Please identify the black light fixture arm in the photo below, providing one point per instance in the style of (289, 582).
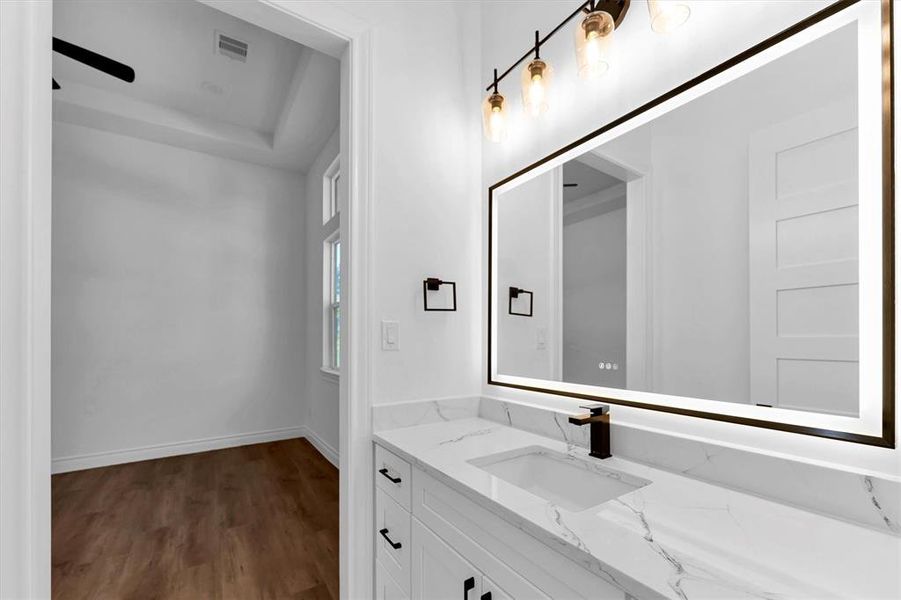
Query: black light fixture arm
(616, 8)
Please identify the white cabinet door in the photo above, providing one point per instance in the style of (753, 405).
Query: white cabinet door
(491, 591)
(385, 586)
(439, 573)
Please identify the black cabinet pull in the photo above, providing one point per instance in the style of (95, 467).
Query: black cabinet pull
(468, 584)
(485, 596)
(395, 545)
(390, 478)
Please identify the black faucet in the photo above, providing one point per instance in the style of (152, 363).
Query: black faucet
(599, 418)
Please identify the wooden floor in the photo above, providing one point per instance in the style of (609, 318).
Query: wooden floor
(257, 521)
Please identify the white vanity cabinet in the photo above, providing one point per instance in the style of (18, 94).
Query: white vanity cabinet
(440, 573)
(491, 591)
(385, 586)
(392, 526)
(433, 543)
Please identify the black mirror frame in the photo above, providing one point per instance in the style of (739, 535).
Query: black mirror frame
(887, 438)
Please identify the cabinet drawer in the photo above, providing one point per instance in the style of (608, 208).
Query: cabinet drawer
(392, 474)
(392, 534)
(385, 586)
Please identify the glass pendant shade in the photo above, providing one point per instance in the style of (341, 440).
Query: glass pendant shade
(494, 117)
(536, 81)
(667, 15)
(593, 36)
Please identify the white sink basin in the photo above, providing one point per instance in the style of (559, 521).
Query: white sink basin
(572, 483)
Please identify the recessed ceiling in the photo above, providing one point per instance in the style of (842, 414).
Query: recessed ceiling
(277, 108)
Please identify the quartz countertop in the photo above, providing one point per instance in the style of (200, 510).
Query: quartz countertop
(676, 538)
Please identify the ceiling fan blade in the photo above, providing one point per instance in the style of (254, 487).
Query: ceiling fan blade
(92, 59)
(570, 185)
(55, 85)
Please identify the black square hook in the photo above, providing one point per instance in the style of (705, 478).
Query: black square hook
(433, 284)
(515, 293)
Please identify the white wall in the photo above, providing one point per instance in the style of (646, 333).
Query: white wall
(645, 66)
(698, 184)
(525, 260)
(321, 412)
(425, 194)
(572, 280)
(594, 295)
(700, 290)
(177, 295)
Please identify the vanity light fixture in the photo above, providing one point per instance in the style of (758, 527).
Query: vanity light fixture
(667, 15)
(494, 114)
(597, 20)
(536, 81)
(594, 35)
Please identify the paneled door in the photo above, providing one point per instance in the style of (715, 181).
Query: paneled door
(803, 262)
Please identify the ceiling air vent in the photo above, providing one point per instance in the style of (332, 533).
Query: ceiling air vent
(230, 47)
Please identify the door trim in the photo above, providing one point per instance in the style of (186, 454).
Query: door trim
(25, 161)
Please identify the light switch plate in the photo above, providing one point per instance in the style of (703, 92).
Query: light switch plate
(390, 335)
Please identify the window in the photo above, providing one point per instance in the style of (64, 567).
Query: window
(330, 192)
(333, 195)
(331, 269)
(333, 303)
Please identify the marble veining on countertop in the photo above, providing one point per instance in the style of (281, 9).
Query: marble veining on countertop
(676, 538)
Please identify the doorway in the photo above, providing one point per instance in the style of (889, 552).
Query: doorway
(326, 28)
(183, 187)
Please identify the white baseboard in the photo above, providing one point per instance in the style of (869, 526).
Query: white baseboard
(325, 449)
(117, 457)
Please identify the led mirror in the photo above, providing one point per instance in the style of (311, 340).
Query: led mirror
(723, 252)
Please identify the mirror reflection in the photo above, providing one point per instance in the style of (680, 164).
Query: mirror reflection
(711, 252)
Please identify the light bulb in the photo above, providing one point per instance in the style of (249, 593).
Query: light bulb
(536, 90)
(535, 87)
(667, 15)
(494, 115)
(593, 36)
